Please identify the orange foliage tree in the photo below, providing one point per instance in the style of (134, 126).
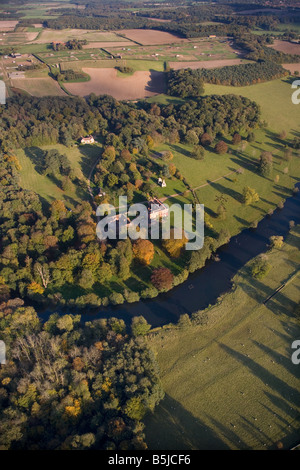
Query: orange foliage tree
(143, 251)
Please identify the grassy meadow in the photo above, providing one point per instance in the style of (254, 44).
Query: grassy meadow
(230, 383)
(82, 158)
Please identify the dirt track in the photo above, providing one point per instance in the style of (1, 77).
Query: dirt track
(106, 82)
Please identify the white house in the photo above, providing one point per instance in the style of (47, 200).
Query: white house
(157, 209)
(88, 140)
(162, 182)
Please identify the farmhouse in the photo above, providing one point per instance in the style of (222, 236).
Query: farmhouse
(157, 209)
(88, 140)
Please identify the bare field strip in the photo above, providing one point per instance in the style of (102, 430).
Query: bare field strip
(94, 45)
(286, 47)
(151, 37)
(38, 86)
(205, 64)
(106, 82)
(8, 25)
(48, 35)
(292, 67)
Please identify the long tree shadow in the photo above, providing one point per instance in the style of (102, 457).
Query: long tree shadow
(36, 155)
(278, 385)
(229, 191)
(90, 154)
(172, 427)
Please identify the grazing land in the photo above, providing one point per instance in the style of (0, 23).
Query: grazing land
(231, 384)
(274, 98)
(38, 86)
(81, 158)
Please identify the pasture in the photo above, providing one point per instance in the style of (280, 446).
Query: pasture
(81, 158)
(217, 174)
(275, 99)
(230, 383)
(192, 50)
(38, 86)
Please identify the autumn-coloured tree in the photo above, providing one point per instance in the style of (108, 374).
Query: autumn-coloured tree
(126, 155)
(221, 147)
(35, 288)
(174, 245)
(172, 169)
(206, 139)
(143, 251)
(167, 156)
(58, 210)
(162, 279)
(236, 139)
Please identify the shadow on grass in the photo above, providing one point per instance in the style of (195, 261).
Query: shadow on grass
(36, 155)
(172, 427)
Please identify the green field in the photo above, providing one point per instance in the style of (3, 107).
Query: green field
(275, 99)
(194, 50)
(230, 383)
(229, 183)
(137, 65)
(82, 158)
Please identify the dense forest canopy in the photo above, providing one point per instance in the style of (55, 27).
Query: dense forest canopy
(71, 386)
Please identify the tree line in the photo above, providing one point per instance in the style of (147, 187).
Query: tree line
(188, 82)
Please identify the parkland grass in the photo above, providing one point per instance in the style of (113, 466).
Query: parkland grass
(230, 383)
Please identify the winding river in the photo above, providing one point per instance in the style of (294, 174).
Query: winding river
(203, 287)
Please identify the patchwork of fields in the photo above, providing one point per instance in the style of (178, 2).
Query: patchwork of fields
(143, 51)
